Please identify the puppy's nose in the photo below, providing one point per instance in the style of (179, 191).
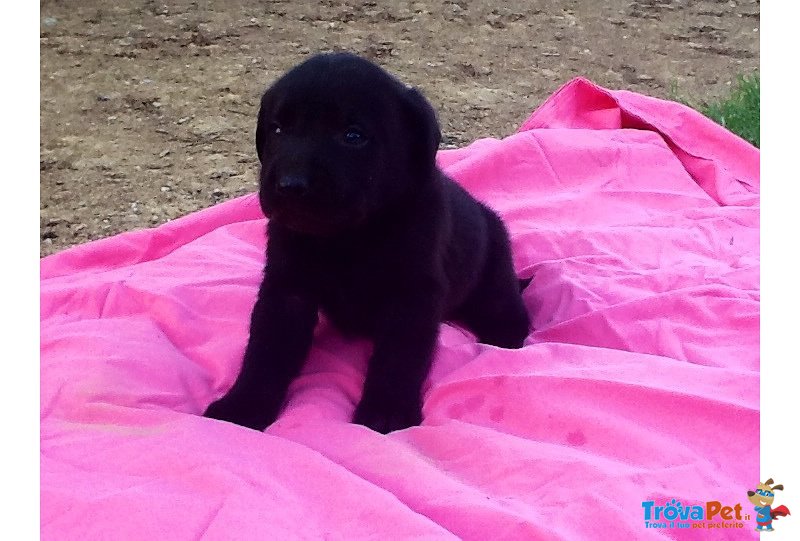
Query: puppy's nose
(292, 185)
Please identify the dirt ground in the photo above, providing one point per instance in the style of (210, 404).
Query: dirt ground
(148, 108)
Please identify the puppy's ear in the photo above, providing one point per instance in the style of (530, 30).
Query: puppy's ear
(261, 128)
(424, 129)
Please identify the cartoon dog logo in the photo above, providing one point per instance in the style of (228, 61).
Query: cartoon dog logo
(762, 497)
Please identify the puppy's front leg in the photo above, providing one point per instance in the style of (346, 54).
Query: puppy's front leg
(404, 347)
(281, 329)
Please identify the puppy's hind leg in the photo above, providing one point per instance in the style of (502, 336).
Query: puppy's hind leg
(497, 316)
(494, 311)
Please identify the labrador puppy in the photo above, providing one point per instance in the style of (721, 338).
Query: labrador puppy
(364, 227)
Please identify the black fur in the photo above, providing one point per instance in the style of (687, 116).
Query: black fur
(365, 227)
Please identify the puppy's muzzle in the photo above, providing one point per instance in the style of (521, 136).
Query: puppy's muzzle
(294, 186)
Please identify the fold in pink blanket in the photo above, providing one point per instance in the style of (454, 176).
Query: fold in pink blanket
(638, 220)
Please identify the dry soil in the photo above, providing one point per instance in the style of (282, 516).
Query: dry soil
(148, 108)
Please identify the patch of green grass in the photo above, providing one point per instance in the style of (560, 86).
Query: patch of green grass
(740, 112)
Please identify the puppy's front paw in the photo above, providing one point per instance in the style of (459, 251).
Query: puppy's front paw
(385, 417)
(243, 412)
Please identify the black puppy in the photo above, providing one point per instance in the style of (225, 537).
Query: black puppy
(364, 226)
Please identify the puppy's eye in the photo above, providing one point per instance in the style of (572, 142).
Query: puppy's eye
(354, 137)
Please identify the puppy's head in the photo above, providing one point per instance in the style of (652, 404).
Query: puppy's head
(340, 140)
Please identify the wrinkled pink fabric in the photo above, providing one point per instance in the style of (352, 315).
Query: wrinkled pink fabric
(639, 220)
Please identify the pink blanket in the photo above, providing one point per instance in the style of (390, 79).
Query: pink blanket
(639, 220)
